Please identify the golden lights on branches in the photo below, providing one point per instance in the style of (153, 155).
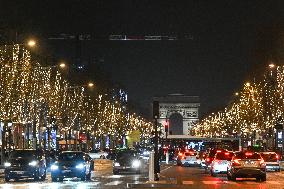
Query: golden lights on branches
(26, 85)
(256, 107)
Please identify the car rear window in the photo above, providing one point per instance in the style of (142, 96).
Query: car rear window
(224, 156)
(269, 157)
(190, 153)
(248, 155)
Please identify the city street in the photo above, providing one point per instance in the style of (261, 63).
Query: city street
(172, 176)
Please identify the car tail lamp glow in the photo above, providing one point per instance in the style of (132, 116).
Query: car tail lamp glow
(180, 154)
(227, 153)
(248, 154)
(219, 151)
(216, 161)
(277, 157)
(261, 161)
(207, 159)
(236, 162)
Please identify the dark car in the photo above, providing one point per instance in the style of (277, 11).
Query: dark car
(127, 160)
(246, 165)
(25, 164)
(72, 164)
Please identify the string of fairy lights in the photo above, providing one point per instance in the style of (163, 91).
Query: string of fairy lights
(256, 108)
(27, 88)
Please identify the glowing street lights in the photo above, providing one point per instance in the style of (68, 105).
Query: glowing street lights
(31, 43)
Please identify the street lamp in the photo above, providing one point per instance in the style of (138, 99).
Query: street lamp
(271, 65)
(31, 43)
(62, 65)
(90, 84)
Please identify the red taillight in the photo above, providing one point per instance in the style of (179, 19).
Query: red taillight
(236, 162)
(277, 157)
(227, 153)
(208, 159)
(219, 151)
(248, 154)
(217, 161)
(261, 161)
(180, 154)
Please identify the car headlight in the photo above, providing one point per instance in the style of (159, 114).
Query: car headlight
(54, 167)
(136, 163)
(33, 163)
(80, 166)
(116, 164)
(7, 164)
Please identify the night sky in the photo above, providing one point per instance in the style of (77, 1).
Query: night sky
(232, 42)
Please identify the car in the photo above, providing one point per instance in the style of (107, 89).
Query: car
(246, 164)
(188, 158)
(98, 154)
(220, 162)
(72, 164)
(127, 160)
(209, 158)
(271, 160)
(25, 163)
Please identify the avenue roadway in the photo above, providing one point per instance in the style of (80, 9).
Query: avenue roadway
(172, 176)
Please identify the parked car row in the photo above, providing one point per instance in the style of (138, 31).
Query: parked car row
(28, 163)
(241, 164)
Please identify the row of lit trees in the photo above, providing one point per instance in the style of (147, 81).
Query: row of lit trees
(256, 108)
(32, 93)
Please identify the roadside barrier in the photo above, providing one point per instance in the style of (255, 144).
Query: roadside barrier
(102, 164)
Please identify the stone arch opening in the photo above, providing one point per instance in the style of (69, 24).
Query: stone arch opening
(176, 124)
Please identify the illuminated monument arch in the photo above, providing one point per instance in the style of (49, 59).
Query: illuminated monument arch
(179, 111)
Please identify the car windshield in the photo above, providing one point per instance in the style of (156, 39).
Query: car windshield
(248, 155)
(269, 157)
(23, 154)
(71, 156)
(224, 156)
(95, 151)
(125, 154)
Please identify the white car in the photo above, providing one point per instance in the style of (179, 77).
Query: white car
(98, 154)
(220, 163)
(271, 160)
(190, 158)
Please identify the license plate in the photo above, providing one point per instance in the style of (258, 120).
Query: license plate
(66, 171)
(250, 164)
(19, 172)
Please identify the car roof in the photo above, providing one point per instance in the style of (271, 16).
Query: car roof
(268, 152)
(72, 152)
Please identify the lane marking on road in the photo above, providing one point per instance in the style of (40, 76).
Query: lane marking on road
(218, 182)
(211, 182)
(272, 182)
(113, 183)
(187, 182)
(166, 168)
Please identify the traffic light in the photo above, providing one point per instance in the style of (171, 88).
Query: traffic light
(166, 127)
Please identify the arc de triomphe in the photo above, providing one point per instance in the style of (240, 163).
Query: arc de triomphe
(179, 111)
